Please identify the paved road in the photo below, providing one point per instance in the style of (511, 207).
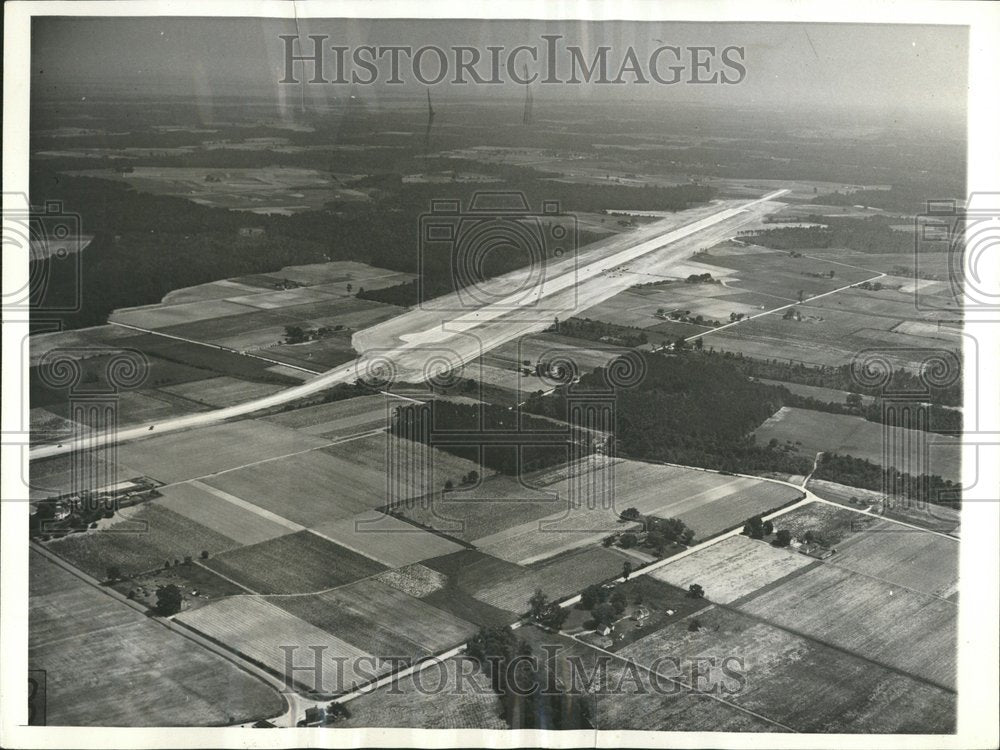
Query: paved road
(434, 339)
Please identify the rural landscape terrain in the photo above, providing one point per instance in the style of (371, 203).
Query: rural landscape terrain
(691, 463)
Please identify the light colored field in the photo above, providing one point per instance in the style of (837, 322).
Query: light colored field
(889, 624)
(926, 515)
(436, 699)
(222, 391)
(825, 395)
(916, 559)
(416, 580)
(212, 290)
(358, 612)
(215, 513)
(207, 450)
(156, 316)
(341, 273)
(855, 436)
(390, 541)
(591, 501)
(341, 418)
(282, 298)
(140, 539)
(258, 629)
(566, 575)
(97, 661)
(54, 476)
(732, 568)
(799, 682)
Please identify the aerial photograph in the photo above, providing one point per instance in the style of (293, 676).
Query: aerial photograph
(495, 375)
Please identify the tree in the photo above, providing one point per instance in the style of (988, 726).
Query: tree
(113, 573)
(783, 538)
(166, 564)
(538, 602)
(768, 528)
(699, 344)
(187, 559)
(553, 616)
(631, 514)
(604, 615)
(619, 601)
(809, 537)
(656, 541)
(695, 591)
(694, 626)
(680, 344)
(590, 597)
(350, 288)
(626, 569)
(449, 484)
(854, 400)
(336, 711)
(754, 528)
(628, 540)
(204, 554)
(168, 600)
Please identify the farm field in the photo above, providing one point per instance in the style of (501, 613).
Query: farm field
(107, 647)
(934, 517)
(190, 454)
(886, 623)
(335, 276)
(915, 559)
(799, 682)
(833, 525)
(221, 391)
(140, 539)
(542, 347)
(214, 512)
(559, 578)
(464, 574)
(732, 568)
(78, 344)
(351, 416)
(380, 620)
(386, 539)
(190, 578)
(258, 629)
(665, 707)
(827, 395)
(465, 702)
(856, 436)
(296, 563)
(54, 476)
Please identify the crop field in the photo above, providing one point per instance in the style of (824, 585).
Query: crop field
(161, 316)
(814, 431)
(351, 416)
(190, 454)
(199, 585)
(387, 539)
(222, 391)
(465, 573)
(317, 355)
(926, 515)
(211, 290)
(436, 699)
(568, 574)
(337, 274)
(587, 355)
(380, 620)
(81, 343)
(833, 524)
(652, 705)
(214, 512)
(416, 580)
(298, 563)
(54, 476)
(172, 358)
(258, 629)
(799, 682)
(139, 539)
(915, 559)
(108, 647)
(732, 568)
(891, 625)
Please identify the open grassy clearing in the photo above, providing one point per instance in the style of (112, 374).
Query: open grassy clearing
(190, 454)
(834, 525)
(222, 391)
(566, 575)
(799, 682)
(381, 620)
(258, 629)
(317, 355)
(926, 515)
(387, 539)
(732, 568)
(161, 316)
(298, 563)
(140, 539)
(198, 584)
(212, 290)
(107, 647)
(826, 395)
(437, 698)
(339, 272)
(54, 476)
(814, 431)
(78, 344)
(217, 514)
(351, 416)
(894, 626)
(625, 698)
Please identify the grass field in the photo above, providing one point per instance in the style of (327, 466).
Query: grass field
(732, 568)
(54, 476)
(416, 580)
(561, 577)
(436, 699)
(814, 431)
(97, 663)
(258, 629)
(222, 391)
(141, 539)
(894, 626)
(296, 563)
(466, 573)
(217, 514)
(812, 391)
(190, 454)
(834, 525)
(387, 539)
(380, 620)
(161, 316)
(799, 682)
(351, 416)
(926, 515)
(629, 699)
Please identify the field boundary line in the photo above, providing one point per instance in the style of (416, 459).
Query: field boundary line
(247, 506)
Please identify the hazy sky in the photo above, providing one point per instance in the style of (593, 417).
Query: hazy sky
(912, 67)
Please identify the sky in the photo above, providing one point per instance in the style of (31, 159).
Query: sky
(901, 66)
